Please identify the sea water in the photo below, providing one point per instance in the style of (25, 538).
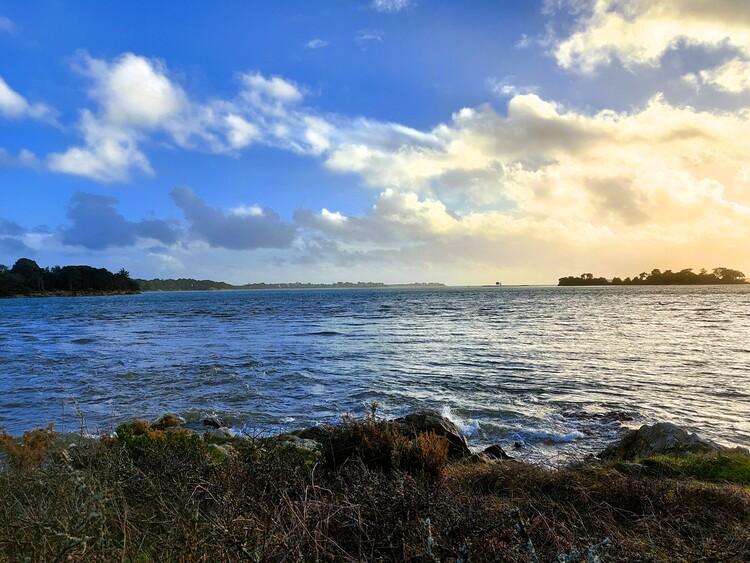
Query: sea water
(548, 372)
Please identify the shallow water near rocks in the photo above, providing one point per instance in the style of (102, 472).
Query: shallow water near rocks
(557, 371)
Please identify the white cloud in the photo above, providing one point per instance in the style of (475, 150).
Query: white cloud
(640, 32)
(247, 211)
(134, 91)
(392, 6)
(137, 102)
(241, 132)
(108, 155)
(365, 35)
(506, 87)
(14, 105)
(259, 89)
(733, 76)
(316, 44)
(7, 25)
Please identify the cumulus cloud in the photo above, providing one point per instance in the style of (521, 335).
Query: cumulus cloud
(395, 216)
(137, 102)
(133, 95)
(242, 229)
(14, 105)
(97, 225)
(640, 32)
(133, 91)
(108, 155)
(392, 6)
(545, 174)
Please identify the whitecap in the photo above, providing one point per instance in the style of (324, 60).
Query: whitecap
(466, 427)
(525, 436)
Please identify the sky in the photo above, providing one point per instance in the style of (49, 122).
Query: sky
(376, 140)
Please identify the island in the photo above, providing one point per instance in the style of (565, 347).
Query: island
(717, 276)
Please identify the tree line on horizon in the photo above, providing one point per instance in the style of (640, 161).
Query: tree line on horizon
(26, 277)
(687, 276)
(189, 284)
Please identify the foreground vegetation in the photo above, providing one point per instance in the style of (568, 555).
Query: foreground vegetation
(26, 277)
(717, 276)
(368, 493)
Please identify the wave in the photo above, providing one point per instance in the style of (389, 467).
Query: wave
(528, 436)
(467, 427)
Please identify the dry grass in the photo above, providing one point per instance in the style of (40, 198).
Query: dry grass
(155, 494)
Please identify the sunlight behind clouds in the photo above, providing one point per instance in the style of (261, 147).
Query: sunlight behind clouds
(640, 32)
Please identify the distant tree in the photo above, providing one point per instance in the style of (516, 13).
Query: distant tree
(31, 275)
(727, 275)
(617, 281)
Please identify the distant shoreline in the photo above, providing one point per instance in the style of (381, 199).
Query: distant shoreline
(189, 284)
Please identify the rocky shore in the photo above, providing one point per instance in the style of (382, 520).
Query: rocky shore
(408, 489)
(660, 439)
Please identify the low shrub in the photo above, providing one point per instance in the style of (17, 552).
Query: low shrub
(31, 449)
(383, 445)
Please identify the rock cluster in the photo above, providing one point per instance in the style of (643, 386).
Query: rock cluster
(663, 438)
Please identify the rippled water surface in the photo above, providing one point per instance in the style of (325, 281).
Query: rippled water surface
(557, 370)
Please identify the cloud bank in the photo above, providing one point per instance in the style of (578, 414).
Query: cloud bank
(240, 229)
(97, 225)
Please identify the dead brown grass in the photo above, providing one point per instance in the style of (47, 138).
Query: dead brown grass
(155, 494)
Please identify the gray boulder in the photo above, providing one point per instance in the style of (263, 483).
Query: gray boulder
(200, 428)
(663, 438)
(495, 452)
(300, 443)
(424, 422)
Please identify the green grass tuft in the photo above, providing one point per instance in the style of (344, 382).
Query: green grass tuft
(728, 467)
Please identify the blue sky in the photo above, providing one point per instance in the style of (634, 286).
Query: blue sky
(386, 140)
